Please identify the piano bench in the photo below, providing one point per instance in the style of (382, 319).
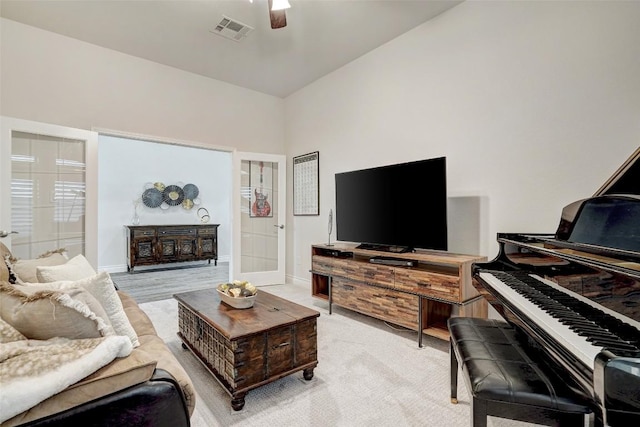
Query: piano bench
(503, 379)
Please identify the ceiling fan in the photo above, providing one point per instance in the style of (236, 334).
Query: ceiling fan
(277, 13)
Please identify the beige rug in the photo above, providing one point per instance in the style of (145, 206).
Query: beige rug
(369, 374)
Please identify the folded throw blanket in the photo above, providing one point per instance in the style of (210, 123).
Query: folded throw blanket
(34, 370)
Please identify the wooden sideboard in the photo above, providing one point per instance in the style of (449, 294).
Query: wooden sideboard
(160, 244)
(421, 293)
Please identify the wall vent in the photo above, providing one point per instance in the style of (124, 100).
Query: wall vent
(232, 29)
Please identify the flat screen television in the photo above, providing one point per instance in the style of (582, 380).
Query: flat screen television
(395, 208)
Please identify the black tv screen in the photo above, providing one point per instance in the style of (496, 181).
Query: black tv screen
(396, 208)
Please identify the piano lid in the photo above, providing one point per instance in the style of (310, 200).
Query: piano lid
(610, 220)
(626, 180)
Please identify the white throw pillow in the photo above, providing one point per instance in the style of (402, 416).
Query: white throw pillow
(101, 287)
(75, 269)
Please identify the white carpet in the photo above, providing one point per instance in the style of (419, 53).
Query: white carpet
(368, 374)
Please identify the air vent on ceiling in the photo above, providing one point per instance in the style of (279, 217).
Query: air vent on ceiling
(232, 29)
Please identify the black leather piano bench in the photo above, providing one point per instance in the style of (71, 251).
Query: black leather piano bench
(505, 381)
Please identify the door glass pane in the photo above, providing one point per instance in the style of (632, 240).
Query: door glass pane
(259, 210)
(47, 194)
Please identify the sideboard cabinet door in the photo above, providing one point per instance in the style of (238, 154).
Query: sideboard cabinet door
(208, 242)
(141, 243)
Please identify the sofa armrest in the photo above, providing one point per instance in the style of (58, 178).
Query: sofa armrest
(158, 402)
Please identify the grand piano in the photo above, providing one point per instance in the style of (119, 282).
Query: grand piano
(575, 295)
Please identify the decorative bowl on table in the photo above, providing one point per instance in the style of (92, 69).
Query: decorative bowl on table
(237, 294)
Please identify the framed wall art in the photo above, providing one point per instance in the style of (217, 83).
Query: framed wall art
(261, 185)
(306, 184)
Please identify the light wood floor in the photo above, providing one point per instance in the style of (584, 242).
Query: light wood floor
(155, 284)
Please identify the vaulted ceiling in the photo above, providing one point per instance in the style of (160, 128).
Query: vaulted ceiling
(320, 37)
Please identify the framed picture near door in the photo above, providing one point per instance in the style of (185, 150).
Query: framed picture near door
(261, 185)
(306, 184)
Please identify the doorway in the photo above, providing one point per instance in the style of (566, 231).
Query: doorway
(130, 166)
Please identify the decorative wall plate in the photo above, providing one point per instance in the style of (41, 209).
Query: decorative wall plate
(173, 195)
(191, 191)
(187, 204)
(152, 197)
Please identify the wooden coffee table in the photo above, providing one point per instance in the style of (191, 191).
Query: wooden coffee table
(247, 348)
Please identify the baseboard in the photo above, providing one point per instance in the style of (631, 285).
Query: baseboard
(297, 280)
(122, 268)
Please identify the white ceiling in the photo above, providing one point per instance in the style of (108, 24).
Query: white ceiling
(321, 35)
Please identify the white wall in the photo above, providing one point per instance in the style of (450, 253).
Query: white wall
(534, 104)
(148, 162)
(50, 78)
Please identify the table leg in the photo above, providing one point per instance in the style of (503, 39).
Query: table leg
(329, 286)
(420, 322)
(308, 374)
(237, 401)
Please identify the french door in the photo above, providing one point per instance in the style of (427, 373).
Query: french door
(48, 188)
(259, 232)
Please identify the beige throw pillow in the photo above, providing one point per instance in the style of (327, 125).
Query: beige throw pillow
(101, 287)
(25, 269)
(4, 268)
(38, 312)
(75, 269)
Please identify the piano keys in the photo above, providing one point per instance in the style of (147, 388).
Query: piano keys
(572, 320)
(575, 294)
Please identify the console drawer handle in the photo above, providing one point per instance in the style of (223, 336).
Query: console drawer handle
(284, 344)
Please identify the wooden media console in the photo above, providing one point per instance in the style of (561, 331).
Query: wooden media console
(418, 290)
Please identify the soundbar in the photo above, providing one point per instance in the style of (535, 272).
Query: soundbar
(384, 260)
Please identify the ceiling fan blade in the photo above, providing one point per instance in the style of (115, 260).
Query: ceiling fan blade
(278, 17)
